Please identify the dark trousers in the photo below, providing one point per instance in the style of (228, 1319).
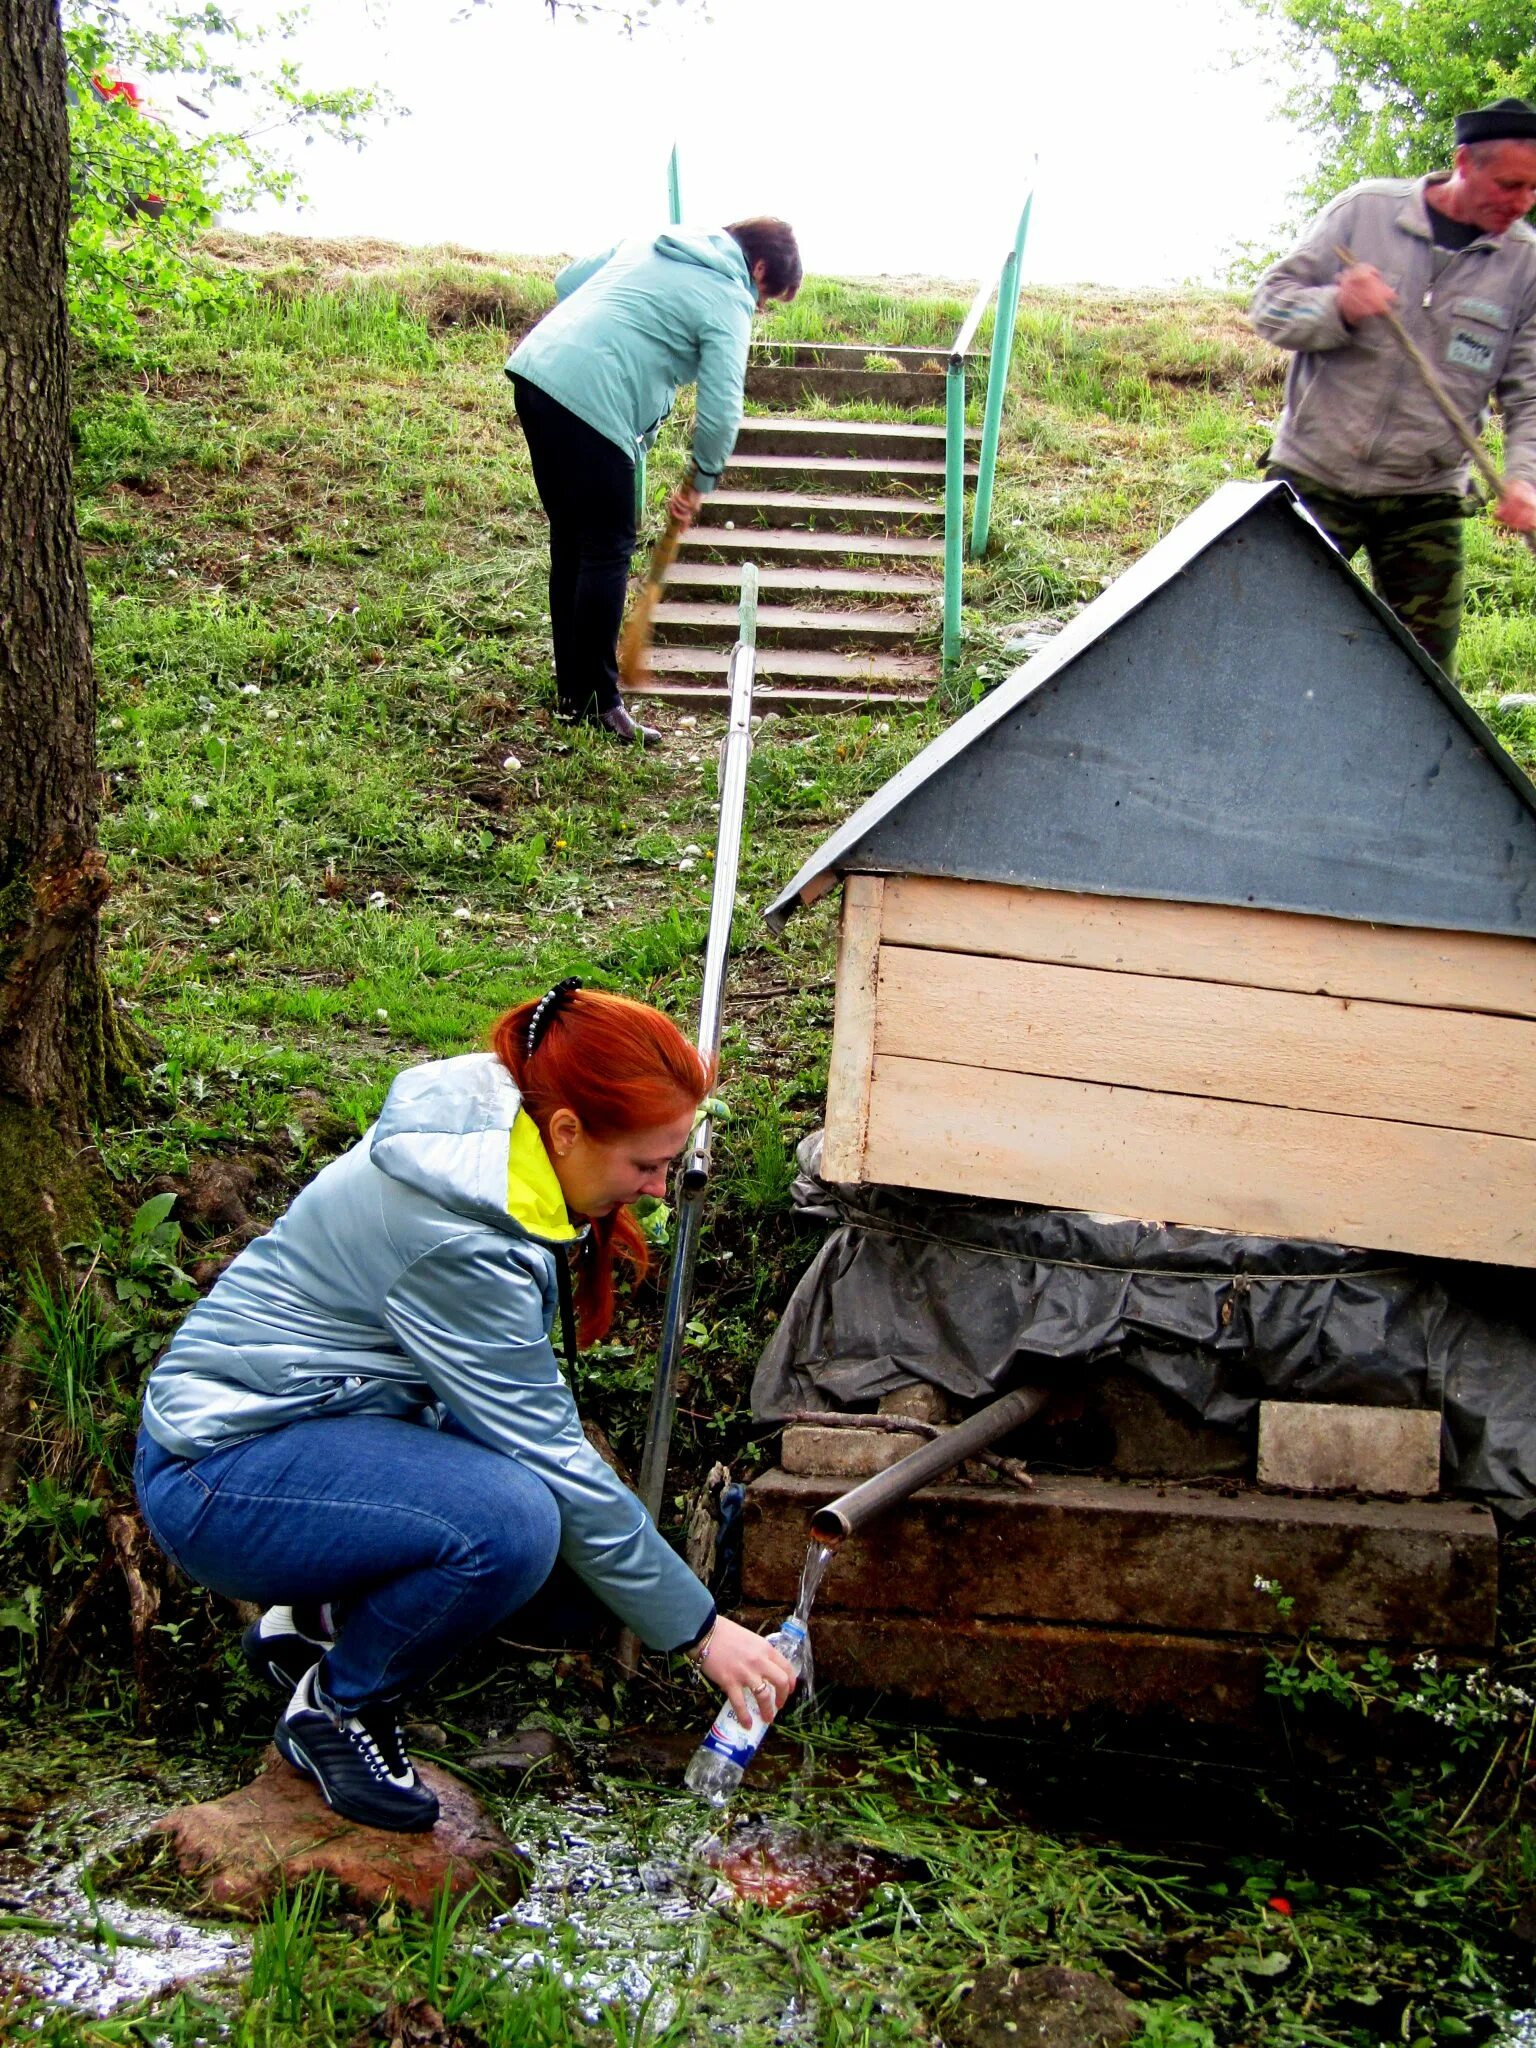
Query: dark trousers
(587, 485)
(1414, 544)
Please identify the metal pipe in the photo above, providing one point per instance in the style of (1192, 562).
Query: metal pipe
(998, 367)
(954, 502)
(674, 190)
(735, 754)
(860, 1506)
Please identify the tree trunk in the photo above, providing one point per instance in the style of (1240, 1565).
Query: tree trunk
(61, 1049)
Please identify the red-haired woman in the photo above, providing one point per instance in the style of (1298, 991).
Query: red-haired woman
(363, 1427)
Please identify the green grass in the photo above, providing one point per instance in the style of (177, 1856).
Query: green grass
(345, 832)
(629, 1945)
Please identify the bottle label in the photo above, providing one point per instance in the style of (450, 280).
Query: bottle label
(729, 1739)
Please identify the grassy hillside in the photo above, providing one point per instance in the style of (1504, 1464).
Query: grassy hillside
(344, 833)
(344, 829)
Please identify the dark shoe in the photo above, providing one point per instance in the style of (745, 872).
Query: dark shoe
(358, 1761)
(283, 1645)
(623, 727)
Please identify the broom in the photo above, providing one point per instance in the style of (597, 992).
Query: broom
(635, 645)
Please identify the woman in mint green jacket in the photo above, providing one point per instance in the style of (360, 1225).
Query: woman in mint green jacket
(593, 382)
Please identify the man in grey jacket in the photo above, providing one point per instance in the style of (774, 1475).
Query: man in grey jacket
(1360, 440)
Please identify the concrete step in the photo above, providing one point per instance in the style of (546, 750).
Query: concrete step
(783, 389)
(898, 677)
(873, 514)
(787, 626)
(721, 581)
(779, 546)
(1139, 1596)
(875, 440)
(756, 472)
(852, 355)
(792, 698)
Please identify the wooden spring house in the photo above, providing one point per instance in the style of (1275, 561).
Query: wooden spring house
(1221, 910)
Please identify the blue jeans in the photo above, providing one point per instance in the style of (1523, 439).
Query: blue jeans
(425, 1537)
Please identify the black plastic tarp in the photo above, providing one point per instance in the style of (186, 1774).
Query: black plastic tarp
(977, 1296)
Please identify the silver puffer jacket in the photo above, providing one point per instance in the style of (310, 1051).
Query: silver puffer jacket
(1357, 416)
(415, 1276)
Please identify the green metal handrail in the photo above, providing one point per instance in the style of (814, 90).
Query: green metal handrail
(1006, 283)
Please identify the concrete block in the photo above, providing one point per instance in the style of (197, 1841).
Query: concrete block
(1000, 1671)
(1105, 1554)
(922, 1402)
(1157, 1438)
(842, 1453)
(1328, 1447)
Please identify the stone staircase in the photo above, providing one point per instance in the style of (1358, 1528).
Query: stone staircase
(844, 518)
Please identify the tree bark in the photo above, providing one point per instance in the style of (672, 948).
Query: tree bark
(61, 1050)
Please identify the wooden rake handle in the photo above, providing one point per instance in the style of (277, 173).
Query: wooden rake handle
(635, 646)
(1482, 462)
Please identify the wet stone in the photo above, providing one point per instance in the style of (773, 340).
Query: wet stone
(793, 1870)
(277, 1830)
(1044, 2008)
(524, 1750)
(657, 1756)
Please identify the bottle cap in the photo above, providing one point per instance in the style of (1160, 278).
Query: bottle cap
(793, 1625)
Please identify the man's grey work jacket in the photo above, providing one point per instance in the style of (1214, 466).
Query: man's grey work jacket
(1357, 416)
(415, 1277)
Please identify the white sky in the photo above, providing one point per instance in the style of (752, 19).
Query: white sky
(897, 135)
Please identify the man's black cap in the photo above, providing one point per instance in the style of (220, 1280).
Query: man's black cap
(1504, 121)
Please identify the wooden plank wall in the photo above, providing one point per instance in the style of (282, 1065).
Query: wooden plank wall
(1242, 1070)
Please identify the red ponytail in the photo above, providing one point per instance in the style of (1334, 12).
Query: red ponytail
(622, 1067)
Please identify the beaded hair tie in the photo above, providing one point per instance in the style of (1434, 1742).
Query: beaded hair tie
(547, 1011)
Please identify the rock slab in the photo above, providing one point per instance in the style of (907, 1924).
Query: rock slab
(277, 1830)
(1047, 2007)
(1331, 1447)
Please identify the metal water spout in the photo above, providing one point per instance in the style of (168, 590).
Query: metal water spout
(863, 1503)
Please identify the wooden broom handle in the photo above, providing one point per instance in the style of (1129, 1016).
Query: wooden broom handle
(1482, 461)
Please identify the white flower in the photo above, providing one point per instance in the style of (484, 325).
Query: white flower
(250, 689)
(116, 724)
(272, 712)
(381, 1016)
(696, 851)
(511, 764)
(378, 901)
(463, 914)
(686, 866)
(1263, 1585)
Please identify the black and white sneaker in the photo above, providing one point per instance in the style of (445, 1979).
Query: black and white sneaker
(357, 1760)
(286, 1641)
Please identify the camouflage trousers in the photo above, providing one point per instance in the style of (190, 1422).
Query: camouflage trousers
(1414, 547)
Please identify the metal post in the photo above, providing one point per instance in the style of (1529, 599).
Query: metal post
(997, 384)
(954, 503)
(674, 190)
(735, 753)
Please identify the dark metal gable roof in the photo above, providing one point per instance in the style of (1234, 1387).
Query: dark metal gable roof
(1238, 720)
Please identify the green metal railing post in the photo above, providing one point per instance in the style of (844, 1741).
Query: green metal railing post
(997, 385)
(674, 190)
(954, 502)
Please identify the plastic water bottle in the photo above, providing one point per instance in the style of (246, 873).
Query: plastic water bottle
(722, 1757)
